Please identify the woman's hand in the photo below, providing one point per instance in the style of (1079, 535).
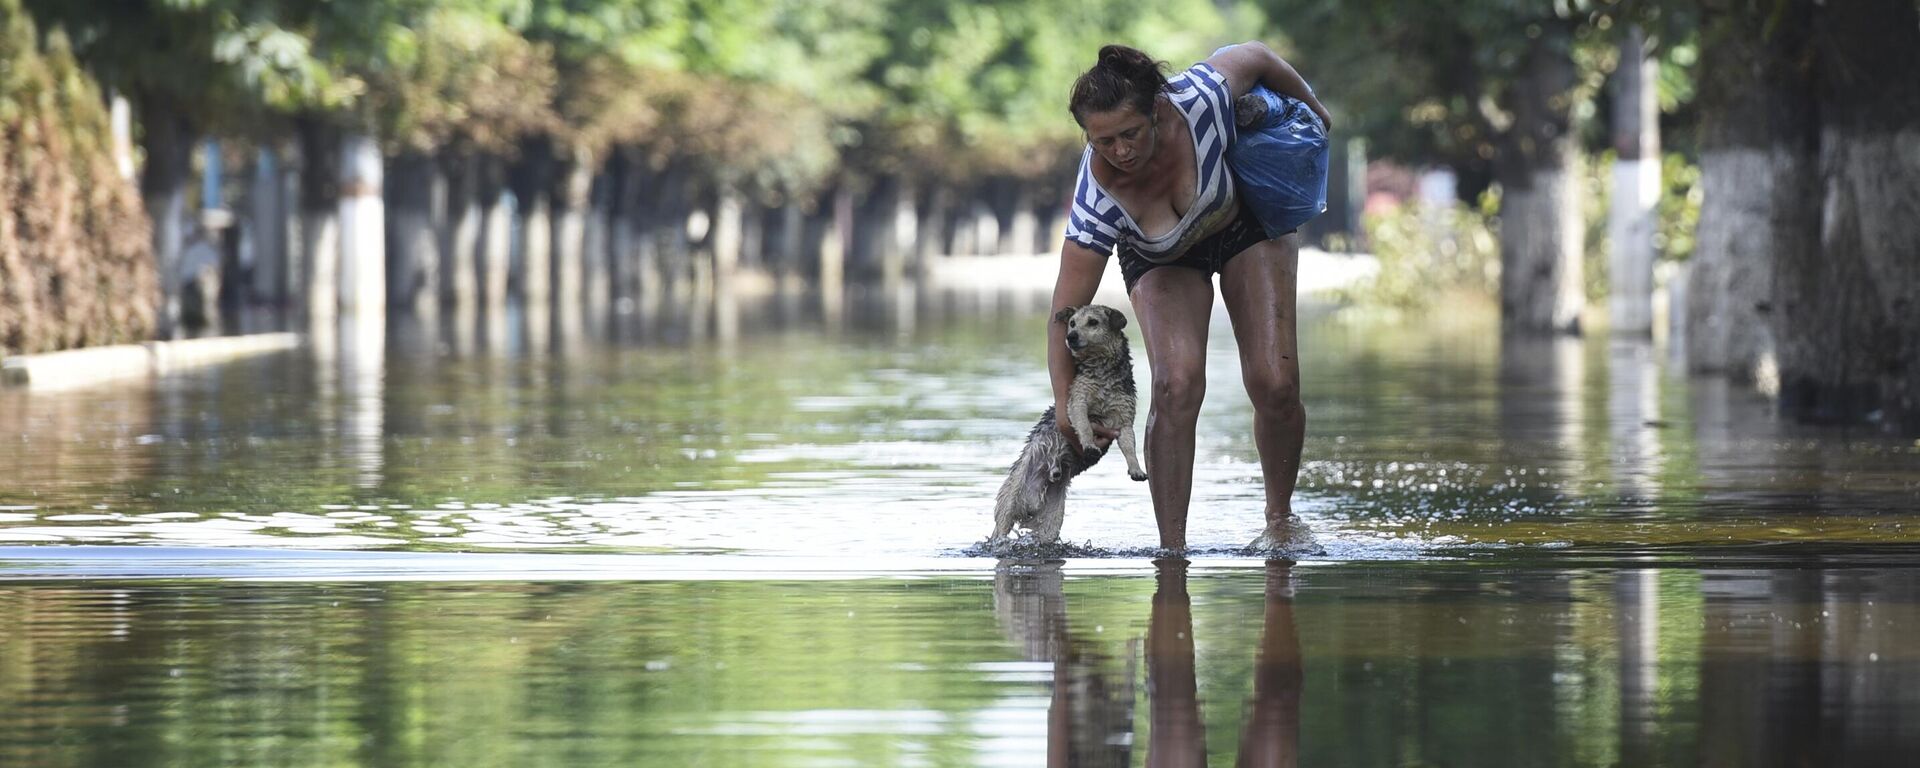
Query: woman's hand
(1326, 118)
(1102, 436)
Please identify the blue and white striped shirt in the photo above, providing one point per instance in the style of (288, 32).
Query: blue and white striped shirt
(1096, 219)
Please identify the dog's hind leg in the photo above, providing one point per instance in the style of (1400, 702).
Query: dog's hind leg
(1051, 515)
(1008, 504)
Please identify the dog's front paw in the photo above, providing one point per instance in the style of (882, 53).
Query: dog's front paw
(1137, 476)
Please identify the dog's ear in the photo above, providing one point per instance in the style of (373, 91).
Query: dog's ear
(1063, 315)
(1115, 319)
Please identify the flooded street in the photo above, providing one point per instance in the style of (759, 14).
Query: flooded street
(743, 541)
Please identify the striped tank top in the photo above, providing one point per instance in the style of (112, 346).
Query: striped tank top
(1096, 219)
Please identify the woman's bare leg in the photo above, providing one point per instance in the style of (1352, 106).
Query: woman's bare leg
(1176, 737)
(1173, 304)
(1258, 287)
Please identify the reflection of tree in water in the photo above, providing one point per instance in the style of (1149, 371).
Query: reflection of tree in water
(1090, 721)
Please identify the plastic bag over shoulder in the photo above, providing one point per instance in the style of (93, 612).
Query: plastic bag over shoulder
(1280, 163)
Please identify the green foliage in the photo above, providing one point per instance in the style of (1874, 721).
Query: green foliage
(1679, 207)
(460, 78)
(219, 62)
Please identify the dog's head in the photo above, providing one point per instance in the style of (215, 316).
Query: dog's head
(1092, 327)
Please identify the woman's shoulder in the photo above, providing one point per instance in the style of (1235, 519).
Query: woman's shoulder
(1201, 76)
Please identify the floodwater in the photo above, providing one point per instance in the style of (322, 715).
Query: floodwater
(745, 541)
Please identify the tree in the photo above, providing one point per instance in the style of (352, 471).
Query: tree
(75, 264)
(188, 65)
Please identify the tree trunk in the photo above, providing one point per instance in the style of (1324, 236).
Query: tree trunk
(363, 236)
(1023, 226)
(1541, 231)
(935, 228)
(120, 128)
(533, 192)
(791, 249)
(1756, 123)
(1848, 318)
(665, 258)
(572, 199)
(595, 287)
(460, 233)
(495, 253)
(625, 224)
(413, 240)
(903, 230)
(168, 141)
(728, 233)
(881, 235)
(1636, 187)
(836, 240)
(753, 235)
(267, 211)
(320, 219)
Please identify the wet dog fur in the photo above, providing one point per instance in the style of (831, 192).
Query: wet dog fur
(1034, 495)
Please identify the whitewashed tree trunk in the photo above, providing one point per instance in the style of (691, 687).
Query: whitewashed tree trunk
(1024, 228)
(791, 248)
(728, 233)
(460, 239)
(120, 125)
(933, 234)
(363, 235)
(533, 204)
(594, 287)
(572, 201)
(414, 256)
(496, 243)
(903, 259)
(1636, 187)
(1541, 230)
(1730, 284)
(168, 140)
(623, 228)
(320, 221)
(1541, 234)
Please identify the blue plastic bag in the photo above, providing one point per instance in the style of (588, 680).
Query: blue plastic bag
(1280, 164)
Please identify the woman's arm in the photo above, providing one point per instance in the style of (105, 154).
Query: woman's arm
(1080, 271)
(1253, 62)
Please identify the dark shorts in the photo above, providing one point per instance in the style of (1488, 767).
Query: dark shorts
(1209, 256)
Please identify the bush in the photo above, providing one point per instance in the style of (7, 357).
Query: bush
(75, 256)
(1427, 253)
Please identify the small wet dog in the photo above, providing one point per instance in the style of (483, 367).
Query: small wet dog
(1034, 496)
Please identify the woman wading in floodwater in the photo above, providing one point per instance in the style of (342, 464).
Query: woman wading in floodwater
(1154, 184)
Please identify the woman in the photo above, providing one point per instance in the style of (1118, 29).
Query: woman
(1154, 184)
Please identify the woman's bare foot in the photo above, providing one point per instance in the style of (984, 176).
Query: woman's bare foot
(1291, 538)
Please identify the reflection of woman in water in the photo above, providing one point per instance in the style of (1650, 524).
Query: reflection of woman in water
(1271, 736)
(1154, 184)
(1090, 719)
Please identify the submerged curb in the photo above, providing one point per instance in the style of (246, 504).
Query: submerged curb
(75, 368)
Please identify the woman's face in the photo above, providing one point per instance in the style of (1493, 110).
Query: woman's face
(1124, 137)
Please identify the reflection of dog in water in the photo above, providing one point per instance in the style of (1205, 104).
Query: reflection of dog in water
(1035, 493)
(1090, 717)
(1090, 720)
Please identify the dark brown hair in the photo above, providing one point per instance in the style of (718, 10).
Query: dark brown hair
(1122, 76)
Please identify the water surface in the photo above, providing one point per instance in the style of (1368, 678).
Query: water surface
(743, 540)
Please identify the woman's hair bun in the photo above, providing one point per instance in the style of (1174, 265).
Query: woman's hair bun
(1122, 75)
(1131, 64)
